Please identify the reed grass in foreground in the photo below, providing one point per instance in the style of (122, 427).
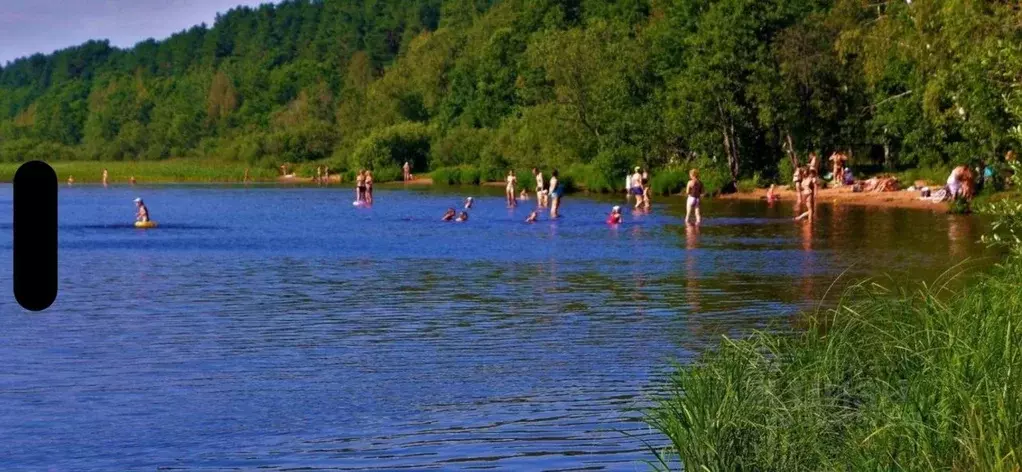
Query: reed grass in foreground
(923, 380)
(171, 170)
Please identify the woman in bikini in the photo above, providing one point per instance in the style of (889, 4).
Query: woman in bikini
(509, 191)
(810, 186)
(369, 187)
(644, 181)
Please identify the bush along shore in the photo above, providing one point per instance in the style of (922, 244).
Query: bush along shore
(925, 379)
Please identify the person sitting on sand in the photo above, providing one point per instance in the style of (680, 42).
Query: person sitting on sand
(532, 217)
(809, 188)
(615, 216)
(143, 212)
(463, 216)
(449, 214)
(468, 203)
(771, 196)
(694, 190)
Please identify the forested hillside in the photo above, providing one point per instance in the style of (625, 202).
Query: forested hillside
(600, 83)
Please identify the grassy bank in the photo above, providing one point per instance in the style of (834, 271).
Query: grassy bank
(914, 380)
(172, 170)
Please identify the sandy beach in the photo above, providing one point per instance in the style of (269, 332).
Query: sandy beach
(844, 195)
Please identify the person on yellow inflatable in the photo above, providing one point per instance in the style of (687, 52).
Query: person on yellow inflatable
(143, 212)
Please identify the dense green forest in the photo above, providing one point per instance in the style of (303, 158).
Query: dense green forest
(736, 85)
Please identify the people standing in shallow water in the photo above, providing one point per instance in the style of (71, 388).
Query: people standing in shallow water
(360, 186)
(70, 180)
(369, 187)
(645, 189)
(509, 190)
(541, 193)
(449, 214)
(556, 190)
(142, 212)
(637, 187)
(463, 216)
(468, 203)
(809, 188)
(532, 217)
(694, 192)
(615, 216)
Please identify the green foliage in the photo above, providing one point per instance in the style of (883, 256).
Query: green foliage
(521, 83)
(393, 146)
(668, 182)
(885, 381)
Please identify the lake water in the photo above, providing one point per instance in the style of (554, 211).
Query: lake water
(284, 328)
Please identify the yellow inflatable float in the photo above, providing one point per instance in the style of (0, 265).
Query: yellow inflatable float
(145, 224)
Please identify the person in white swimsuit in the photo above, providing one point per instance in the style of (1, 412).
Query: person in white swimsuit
(541, 193)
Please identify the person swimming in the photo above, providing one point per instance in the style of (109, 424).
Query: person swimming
(468, 203)
(615, 216)
(523, 195)
(449, 214)
(532, 217)
(142, 214)
(462, 217)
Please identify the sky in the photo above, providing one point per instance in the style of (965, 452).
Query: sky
(31, 26)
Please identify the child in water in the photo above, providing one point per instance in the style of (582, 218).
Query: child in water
(143, 212)
(615, 216)
(468, 203)
(462, 217)
(523, 195)
(532, 217)
(449, 214)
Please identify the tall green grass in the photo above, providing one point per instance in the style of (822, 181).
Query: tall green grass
(929, 379)
(171, 170)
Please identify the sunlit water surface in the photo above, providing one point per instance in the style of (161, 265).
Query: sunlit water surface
(285, 328)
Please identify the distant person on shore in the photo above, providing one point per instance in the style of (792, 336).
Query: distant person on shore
(463, 216)
(449, 214)
(406, 171)
(532, 217)
(555, 195)
(814, 162)
(810, 185)
(369, 187)
(245, 178)
(637, 187)
(468, 203)
(142, 212)
(106, 177)
(615, 216)
(541, 193)
(645, 189)
(360, 186)
(319, 174)
(509, 190)
(70, 180)
(131, 180)
(326, 174)
(838, 160)
(694, 191)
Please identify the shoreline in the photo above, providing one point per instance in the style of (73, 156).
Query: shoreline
(844, 195)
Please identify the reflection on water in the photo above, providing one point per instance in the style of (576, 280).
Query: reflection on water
(284, 328)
